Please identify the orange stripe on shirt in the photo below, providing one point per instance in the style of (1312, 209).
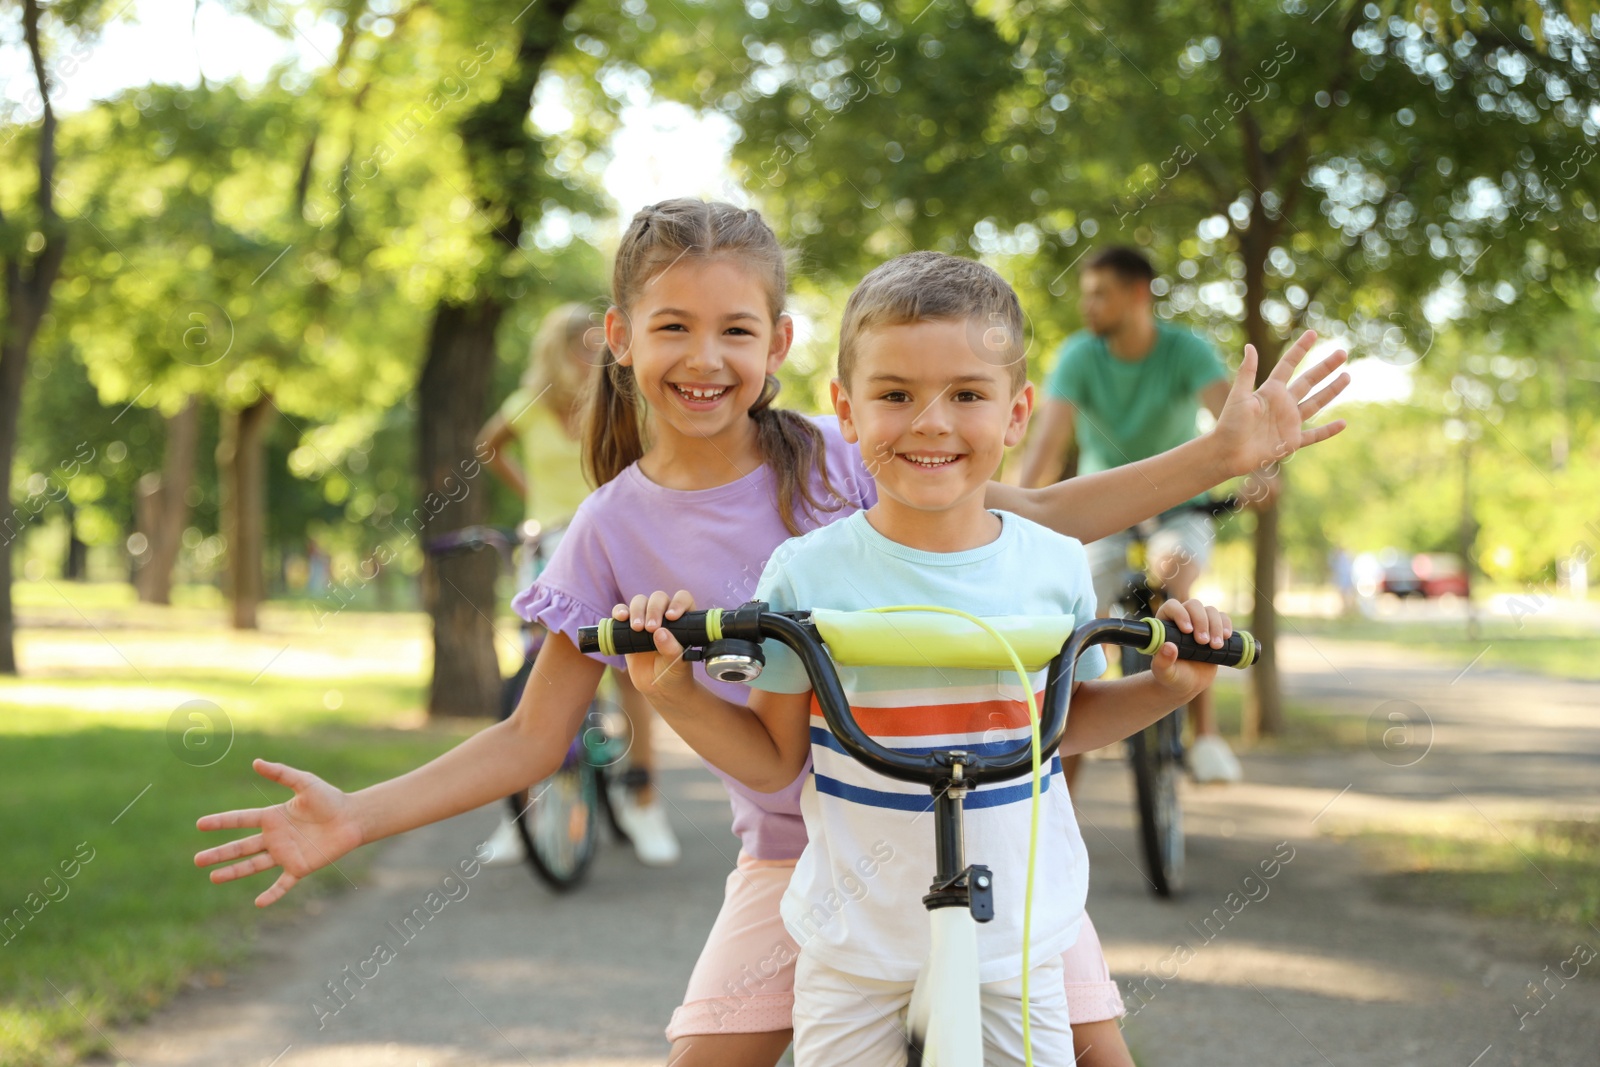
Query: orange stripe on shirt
(938, 719)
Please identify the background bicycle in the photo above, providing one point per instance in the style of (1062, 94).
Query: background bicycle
(557, 820)
(1157, 754)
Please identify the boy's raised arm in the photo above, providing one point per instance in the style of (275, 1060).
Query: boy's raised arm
(1257, 428)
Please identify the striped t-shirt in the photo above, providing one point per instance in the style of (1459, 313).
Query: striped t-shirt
(855, 900)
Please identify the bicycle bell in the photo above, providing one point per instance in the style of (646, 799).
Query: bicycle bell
(732, 660)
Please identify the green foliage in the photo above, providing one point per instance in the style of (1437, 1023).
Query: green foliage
(224, 292)
(1495, 415)
(1358, 161)
(289, 240)
(72, 453)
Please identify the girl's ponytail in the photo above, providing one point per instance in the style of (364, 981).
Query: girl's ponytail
(613, 429)
(793, 447)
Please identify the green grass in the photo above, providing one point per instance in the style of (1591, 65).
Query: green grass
(88, 767)
(1558, 649)
(1308, 727)
(1547, 872)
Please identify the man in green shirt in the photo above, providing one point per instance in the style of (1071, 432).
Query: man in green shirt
(1127, 388)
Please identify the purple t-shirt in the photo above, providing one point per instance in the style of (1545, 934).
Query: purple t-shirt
(633, 536)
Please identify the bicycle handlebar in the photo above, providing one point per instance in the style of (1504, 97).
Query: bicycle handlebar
(467, 539)
(1220, 506)
(753, 622)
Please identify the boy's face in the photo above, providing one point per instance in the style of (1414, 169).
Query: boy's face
(933, 417)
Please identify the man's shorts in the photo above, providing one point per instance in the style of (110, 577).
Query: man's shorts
(743, 982)
(1186, 535)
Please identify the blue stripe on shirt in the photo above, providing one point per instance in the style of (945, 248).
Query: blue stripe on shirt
(980, 798)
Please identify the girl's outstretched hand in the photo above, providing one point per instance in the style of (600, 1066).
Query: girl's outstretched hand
(1260, 427)
(1209, 626)
(303, 834)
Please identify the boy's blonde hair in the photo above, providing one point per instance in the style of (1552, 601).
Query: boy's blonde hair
(931, 285)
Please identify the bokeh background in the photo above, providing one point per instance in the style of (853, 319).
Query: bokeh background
(270, 264)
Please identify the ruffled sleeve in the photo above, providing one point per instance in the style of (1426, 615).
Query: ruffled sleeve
(579, 586)
(562, 613)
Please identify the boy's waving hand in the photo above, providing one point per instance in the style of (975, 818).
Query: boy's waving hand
(1260, 426)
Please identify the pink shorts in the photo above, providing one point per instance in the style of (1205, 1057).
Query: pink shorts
(743, 982)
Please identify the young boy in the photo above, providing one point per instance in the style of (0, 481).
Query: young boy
(933, 389)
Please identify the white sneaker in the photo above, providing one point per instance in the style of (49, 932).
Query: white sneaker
(1212, 760)
(505, 847)
(646, 826)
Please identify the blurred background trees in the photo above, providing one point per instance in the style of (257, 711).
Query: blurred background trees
(278, 311)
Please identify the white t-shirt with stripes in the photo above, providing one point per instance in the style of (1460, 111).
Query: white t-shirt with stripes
(855, 900)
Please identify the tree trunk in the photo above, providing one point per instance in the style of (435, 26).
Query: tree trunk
(162, 508)
(457, 590)
(13, 363)
(75, 564)
(1467, 536)
(28, 281)
(1263, 706)
(241, 477)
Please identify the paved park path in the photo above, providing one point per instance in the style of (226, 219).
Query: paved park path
(1308, 967)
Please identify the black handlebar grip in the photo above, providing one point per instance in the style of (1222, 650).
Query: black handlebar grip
(613, 638)
(1241, 650)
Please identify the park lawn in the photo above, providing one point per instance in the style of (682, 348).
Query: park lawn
(1308, 727)
(1558, 649)
(1546, 871)
(97, 783)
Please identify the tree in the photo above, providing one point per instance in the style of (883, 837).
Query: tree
(501, 184)
(1291, 164)
(163, 509)
(421, 168)
(240, 286)
(32, 246)
(178, 302)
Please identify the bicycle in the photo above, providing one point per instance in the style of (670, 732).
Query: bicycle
(944, 1022)
(1156, 754)
(558, 818)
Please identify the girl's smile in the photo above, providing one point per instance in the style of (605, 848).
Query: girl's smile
(700, 396)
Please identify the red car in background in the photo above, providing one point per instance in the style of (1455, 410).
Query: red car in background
(1427, 574)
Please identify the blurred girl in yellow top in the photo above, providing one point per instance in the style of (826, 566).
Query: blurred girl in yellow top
(544, 414)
